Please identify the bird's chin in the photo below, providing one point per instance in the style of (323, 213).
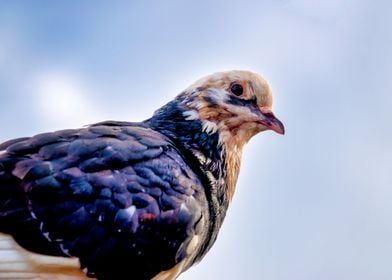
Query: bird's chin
(243, 133)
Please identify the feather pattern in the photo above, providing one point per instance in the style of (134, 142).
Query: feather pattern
(90, 201)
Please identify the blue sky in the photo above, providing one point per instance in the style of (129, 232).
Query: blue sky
(314, 204)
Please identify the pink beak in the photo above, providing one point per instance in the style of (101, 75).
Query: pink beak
(270, 121)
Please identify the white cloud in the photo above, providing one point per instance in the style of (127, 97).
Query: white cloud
(62, 100)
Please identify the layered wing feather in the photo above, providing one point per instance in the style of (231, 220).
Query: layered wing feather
(119, 197)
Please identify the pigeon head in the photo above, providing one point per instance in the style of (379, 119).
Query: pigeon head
(235, 104)
(215, 117)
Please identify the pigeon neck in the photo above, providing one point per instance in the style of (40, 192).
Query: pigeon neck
(204, 154)
(189, 137)
(201, 148)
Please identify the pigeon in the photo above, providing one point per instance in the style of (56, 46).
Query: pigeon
(130, 200)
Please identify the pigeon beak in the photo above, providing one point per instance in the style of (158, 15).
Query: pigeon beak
(270, 121)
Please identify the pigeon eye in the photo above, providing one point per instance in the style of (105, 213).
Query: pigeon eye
(237, 89)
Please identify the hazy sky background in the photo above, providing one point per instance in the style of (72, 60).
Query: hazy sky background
(314, 204)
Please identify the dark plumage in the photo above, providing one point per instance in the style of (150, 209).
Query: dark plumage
(135, 200)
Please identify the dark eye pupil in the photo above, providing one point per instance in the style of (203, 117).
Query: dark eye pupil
(237, 89)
